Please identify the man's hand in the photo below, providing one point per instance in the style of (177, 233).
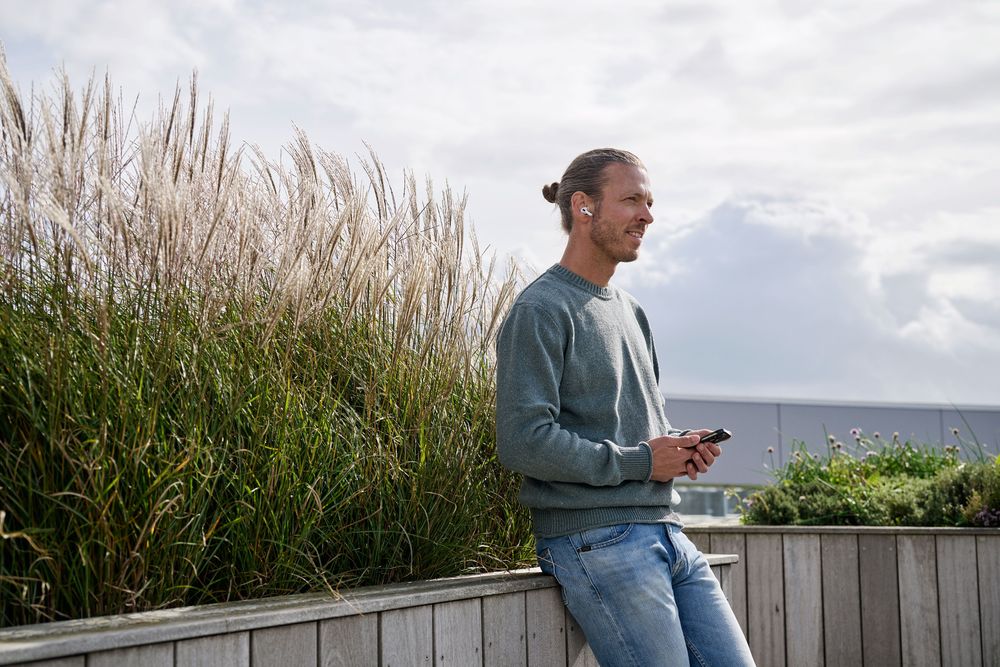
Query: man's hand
(676, 455)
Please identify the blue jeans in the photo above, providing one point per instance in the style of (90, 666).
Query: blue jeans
(644, 596)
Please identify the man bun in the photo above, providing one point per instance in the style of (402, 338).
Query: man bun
(550, 192)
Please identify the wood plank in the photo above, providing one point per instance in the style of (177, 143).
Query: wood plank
(284, 646)
(407, 637)
(351, 641)
(151, 655)
(880, 639)
(721, 573)
(919, 629)
(803, 601)
(578, 652)
(734, 543)
(545, 623)
(958, 601)
(458, 633)
(841, 601)
(988, 557)
(73, 661)
(504, 642)
(700, 540)
(765, 599)
(230, 650)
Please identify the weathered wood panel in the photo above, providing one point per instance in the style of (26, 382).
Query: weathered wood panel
(918, 600)
(351, 641)
(458, 633)
(841, 600)
(231, 650)
(407, 637)
(988, 557)
(958, 599)
(546, 627)
(880, 640)
(734, 543)
(354, 629)
(722, 576)
(504, 641)
(152, 655)
(284, 646)
(700, 540)
(578, 652)
(803, 601)
(765, 599)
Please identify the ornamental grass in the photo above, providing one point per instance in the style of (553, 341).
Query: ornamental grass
(224, 377)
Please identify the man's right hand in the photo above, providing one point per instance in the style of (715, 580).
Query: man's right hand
(677, 455)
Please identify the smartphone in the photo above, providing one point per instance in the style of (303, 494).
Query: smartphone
(718, 435)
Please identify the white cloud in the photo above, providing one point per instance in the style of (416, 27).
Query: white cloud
(768, 307)
(853, 145)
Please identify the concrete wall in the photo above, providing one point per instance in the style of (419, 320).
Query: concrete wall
(759, 424)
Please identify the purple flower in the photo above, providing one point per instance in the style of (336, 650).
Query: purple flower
(988, 518)
(856, 432)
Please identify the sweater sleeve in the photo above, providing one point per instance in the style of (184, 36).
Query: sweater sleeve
(530, 440)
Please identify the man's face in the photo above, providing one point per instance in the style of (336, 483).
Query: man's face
(621, 219)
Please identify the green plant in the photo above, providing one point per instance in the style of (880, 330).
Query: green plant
(983, 506)
(224, 378)
(874, 482)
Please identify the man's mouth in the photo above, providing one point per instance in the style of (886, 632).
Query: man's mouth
(635, 235)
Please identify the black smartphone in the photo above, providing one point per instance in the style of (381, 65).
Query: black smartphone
(716, 436)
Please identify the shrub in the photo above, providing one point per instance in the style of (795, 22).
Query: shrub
(879, 483)
(224, 378)
(983, 507)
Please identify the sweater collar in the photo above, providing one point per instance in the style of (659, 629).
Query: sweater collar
(568, 276)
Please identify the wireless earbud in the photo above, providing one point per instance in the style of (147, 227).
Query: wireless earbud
(586, 211)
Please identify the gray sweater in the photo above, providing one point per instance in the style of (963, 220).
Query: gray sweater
(577, 399)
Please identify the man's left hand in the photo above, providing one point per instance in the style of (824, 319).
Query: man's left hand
(703, 454)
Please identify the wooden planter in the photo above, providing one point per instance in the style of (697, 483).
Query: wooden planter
(512, 618)
(873, 596)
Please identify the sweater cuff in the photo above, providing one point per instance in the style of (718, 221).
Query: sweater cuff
(637, 462)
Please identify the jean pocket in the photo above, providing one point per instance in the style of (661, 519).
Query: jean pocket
(603, 537)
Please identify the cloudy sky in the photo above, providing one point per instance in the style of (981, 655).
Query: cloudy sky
(827, 175)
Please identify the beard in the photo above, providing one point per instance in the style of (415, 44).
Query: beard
(612, 240)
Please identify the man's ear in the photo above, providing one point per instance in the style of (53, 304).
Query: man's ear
(582, 207)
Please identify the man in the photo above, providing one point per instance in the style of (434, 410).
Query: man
(581, 417)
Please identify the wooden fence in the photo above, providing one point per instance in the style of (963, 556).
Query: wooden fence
(513, 618)
(864, 596)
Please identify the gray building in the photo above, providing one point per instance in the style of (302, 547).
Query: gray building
(758, 424)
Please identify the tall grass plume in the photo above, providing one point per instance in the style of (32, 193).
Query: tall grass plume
(225, 377)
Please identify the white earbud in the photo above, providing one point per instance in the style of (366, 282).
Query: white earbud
(586, 211)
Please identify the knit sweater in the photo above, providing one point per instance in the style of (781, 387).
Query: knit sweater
(577, 399)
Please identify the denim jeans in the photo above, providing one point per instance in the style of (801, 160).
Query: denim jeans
(644, 596)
